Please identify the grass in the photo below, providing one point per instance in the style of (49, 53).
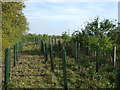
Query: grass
(32, 72)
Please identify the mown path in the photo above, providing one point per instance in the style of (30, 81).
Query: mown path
(31, 71)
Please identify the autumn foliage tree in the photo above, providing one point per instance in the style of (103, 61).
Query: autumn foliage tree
(14, 23)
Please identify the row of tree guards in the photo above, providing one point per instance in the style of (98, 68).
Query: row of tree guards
(17, 50)
(48, 50)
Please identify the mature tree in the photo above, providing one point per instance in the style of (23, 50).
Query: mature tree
(95, 32)
(115, 36)
(14, 23)
(99, 29)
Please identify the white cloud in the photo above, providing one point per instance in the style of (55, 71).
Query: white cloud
(62, 17)
(59, 13)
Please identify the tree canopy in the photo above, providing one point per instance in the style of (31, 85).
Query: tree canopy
(96, 32)
(14, 23)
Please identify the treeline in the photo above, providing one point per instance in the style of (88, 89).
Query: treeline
(94, 50)
(104, 33)
(14, 23)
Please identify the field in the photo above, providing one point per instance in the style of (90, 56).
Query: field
(32, 71)
(57, 51)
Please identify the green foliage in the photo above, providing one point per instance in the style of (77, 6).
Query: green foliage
(65, 37)
(37, 74)
(118, 54)
(92, 28)
(95, 32)
(105, 44)
(14, 23)
(45, 37)
(99, 29)
(114, 35)
(81, 38)
(93, 41)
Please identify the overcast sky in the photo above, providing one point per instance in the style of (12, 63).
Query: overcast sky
(56, 17)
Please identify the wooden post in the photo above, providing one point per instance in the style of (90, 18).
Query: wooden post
(64, 69)
(7, 66)
(51, 57)
(114, 56)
